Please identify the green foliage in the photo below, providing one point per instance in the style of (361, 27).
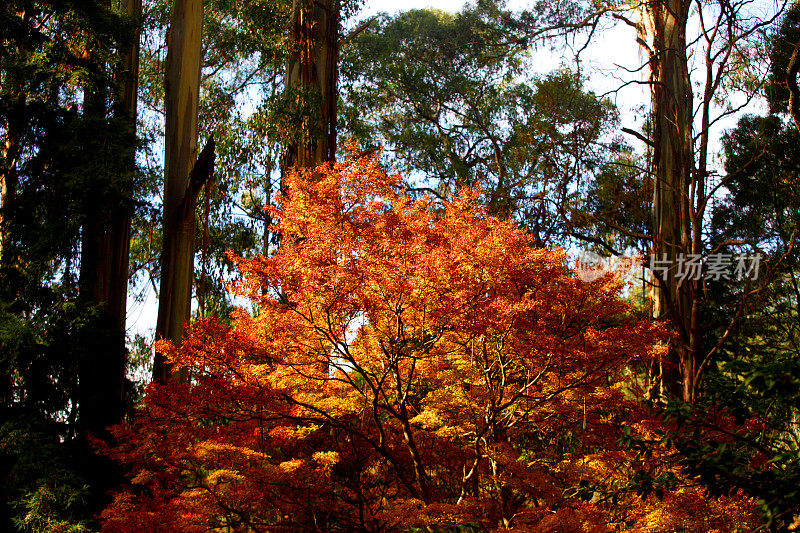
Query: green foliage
(448, 96)
(759, 214)
(762, 159)
(614, 214)
(45, 507)
(752, 388)
(43, 492)
(783, 42)
(58, 161)
(62, 163)
(760, 457)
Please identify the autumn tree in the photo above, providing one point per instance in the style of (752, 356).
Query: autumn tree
(405, 369)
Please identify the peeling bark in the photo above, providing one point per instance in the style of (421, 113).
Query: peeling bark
(663, 34)
(311, 79)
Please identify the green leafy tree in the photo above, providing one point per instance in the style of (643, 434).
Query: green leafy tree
(59, 66)
(755, 376)
(448, 96)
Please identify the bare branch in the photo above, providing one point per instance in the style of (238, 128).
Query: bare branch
(639, 136)
(344, 41)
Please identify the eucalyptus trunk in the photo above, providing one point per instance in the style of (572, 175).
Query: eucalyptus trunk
(182, 92)
(663, 31)
(311, 85)
(311, 82)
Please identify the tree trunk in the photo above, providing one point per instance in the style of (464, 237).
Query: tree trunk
(663, 31)
(94, 380)
(8, 194)
(311, 82)
(311, 85)
(182, 92)
(105, 250)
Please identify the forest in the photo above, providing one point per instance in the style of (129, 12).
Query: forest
(348, 266)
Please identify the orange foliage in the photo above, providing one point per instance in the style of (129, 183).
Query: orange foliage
(409, 366)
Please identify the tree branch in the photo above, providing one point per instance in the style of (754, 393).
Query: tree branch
(639, 136)
(202, 172)
(794, 89)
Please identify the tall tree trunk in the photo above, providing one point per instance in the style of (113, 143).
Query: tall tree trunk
(105, 252)
(8, 194)
(311, 82)
(182, 93)
(15, 121)
(93, 366)
(663, 31)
